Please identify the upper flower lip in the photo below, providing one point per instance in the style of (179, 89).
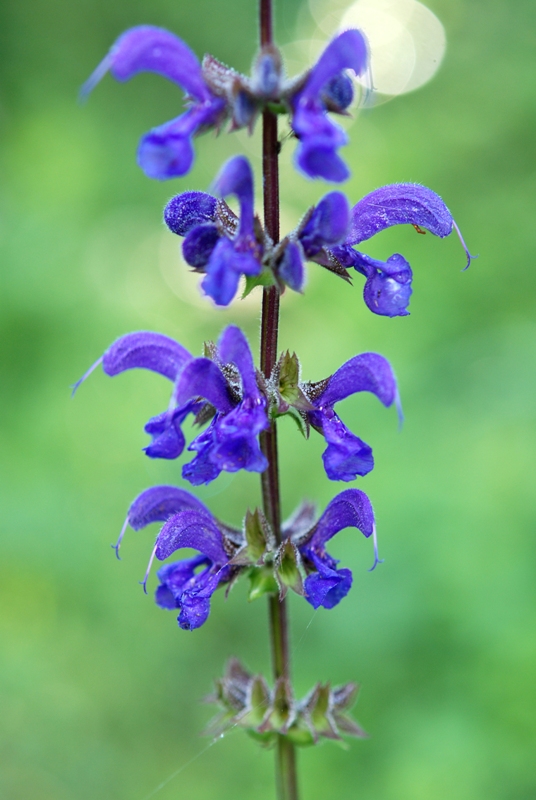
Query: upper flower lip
(147, 48)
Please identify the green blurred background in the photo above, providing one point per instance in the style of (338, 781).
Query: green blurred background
(99, 689)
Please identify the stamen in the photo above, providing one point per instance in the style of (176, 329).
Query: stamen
(468, 254)
(95, 78)
(366, 83)
(399, 411)
(149, 565)
(117, 545)
(377, 559)
(418, 229)
(85, 375)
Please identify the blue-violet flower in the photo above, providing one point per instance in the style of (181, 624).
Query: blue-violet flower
(346, 455)
(325, 585)
(224, 388)
(186, 585)
(223, 247)
(388, 286)
(216, 242)
(326, 87)
(166, 151)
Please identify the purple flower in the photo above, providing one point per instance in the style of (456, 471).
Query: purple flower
(189, 584)
(224, 389)
(230, 442)
(346, 455)
(388, 286)
(325, 227)
(166, 151)
(327, 88)
(216, 242)
(325, 585)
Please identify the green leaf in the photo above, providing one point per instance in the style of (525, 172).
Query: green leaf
(264, 279)
(297, 419)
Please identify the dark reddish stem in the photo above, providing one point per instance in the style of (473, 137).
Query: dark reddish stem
(286, 777)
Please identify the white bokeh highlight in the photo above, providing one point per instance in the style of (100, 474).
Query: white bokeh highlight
(407, 41)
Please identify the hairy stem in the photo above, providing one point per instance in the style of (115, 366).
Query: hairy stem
(285, 759)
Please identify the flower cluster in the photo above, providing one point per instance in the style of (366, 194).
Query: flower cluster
(223, 247)
(246, 700)
(217, 94)
(224, 389)
(300, 562)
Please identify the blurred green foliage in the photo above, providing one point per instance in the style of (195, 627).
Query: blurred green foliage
(99, 688)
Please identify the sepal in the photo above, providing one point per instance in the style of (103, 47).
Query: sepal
(259, 540)
(261, 583)
(325, 711)
(282, 710)
(288, 369)
(247, 702)
(288, 568)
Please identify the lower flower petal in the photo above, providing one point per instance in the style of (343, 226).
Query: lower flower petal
(346, 455)
(194, 603)
(199, 245)
(387, 296)
(201, 470)
(168, 439)
(167, 151)
(317, 158)
(291, 268)
(173, 579)
(221, 280)
(328, 588)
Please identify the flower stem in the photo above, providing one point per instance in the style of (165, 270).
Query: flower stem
(285, 759)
